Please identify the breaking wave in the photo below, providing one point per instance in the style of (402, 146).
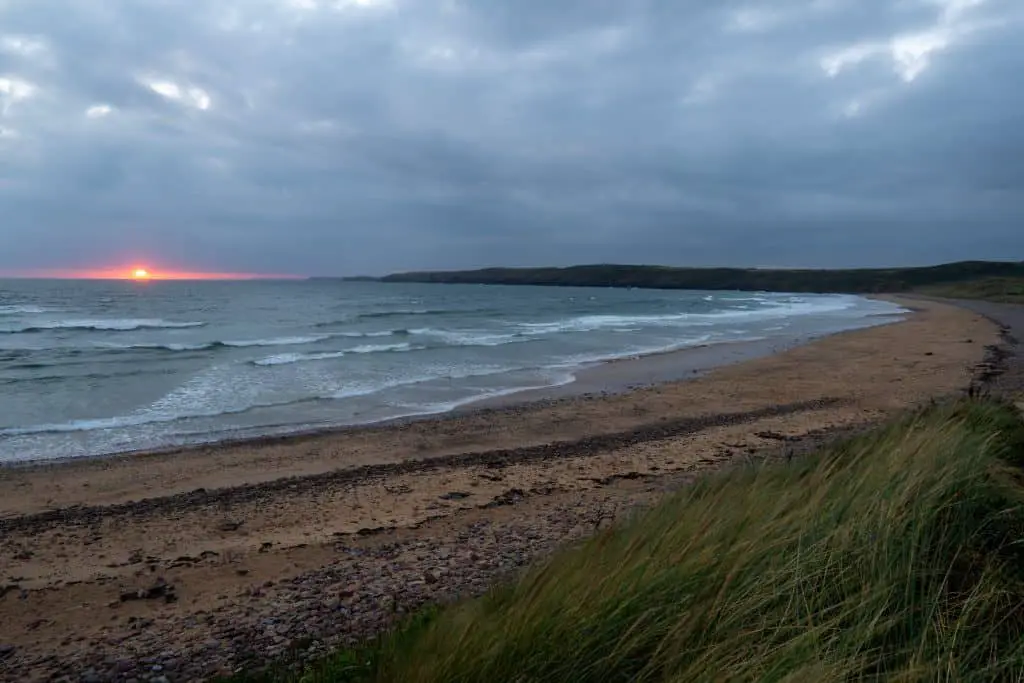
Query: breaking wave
(117, 325)
(289, 358)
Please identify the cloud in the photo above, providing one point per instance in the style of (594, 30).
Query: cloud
(334, 136)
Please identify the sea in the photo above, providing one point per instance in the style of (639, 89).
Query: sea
(99, 367)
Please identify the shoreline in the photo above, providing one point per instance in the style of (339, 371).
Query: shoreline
(597, 378)
(325, 540)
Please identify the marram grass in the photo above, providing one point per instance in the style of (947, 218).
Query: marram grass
(892, 557)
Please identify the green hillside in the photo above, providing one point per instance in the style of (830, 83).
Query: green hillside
(663, 277)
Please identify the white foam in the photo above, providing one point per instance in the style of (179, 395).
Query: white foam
(278, 341)
(384, 348)
(201, 346)
(448, 406)
(637, 352)
(363, 335)
(21, 310)
(137, 419)
(114, 325)
(774, 309)
(244, 343)
(471, 338)
(289, 358)
(468, 372)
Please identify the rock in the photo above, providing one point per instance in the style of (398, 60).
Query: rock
(455, 495)
(230, 525)
(431, 576)
(6, 651)
(510, 497)
(161, 589)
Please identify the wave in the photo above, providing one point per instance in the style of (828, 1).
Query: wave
(205, 346)
(424, 409)
(470, 338)
(117, 325)
(241, 343)
(582, 360)
(592, 323)
(373, 335)
(137, 420)
(21, 310)
(289, 358)
(161, 413)
(277, 341)
(91, 377)
(201, 346)
(377, 315)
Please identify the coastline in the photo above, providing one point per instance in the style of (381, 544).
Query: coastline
(597, 378)
(325, 536)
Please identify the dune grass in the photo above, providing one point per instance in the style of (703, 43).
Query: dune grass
(895, 556)
(1001, 289)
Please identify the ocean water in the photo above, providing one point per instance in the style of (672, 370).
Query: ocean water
(89, 367)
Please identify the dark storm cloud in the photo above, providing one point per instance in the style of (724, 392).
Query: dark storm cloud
(319, 136)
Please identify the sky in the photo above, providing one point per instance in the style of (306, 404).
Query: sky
(341, 137)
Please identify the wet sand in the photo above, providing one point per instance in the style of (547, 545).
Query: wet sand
(321, 539)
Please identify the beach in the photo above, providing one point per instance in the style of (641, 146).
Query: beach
(192, 562)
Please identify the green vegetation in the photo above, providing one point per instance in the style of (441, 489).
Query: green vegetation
(662, 277)
(1004, 289)
(894, 556)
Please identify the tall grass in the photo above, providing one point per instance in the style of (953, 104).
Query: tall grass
(895, 556)
(1002, 289)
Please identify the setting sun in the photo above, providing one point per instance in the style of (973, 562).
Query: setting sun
(140, 274)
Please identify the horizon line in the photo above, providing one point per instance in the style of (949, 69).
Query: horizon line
(151, 276)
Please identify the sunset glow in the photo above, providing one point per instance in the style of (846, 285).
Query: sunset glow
(140, 274)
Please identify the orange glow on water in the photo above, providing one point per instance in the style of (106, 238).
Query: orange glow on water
(140, 274)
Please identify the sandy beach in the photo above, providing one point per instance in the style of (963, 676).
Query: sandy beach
(185, 564)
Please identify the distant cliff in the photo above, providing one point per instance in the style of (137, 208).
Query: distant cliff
(865, 280)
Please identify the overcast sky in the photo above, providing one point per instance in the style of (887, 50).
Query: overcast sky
(365, 136)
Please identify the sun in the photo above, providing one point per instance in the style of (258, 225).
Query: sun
(140, 274)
